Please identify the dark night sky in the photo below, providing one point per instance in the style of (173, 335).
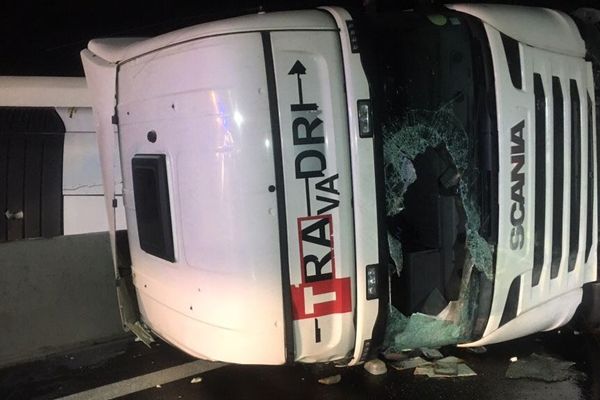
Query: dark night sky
(45, 37)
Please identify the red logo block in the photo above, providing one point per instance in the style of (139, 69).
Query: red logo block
(319, 298)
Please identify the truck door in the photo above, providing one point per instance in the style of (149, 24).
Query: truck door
(309, 81)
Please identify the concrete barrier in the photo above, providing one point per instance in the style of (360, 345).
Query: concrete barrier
(56, 294)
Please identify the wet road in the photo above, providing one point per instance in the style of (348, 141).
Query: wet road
(114, 362)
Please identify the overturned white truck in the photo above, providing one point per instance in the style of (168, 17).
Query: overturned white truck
(297, 192)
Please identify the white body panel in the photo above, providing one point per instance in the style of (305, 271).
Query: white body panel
(81, 162)
(222, 298)
(83, 192)
(553, 301)
(122, 49)
(538, 27)
(323, 317)
(535, 320)
(363, 189)
(86, 214)
(38, 91)
(101, 80)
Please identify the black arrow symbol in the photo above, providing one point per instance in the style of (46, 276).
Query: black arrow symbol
(298, 69)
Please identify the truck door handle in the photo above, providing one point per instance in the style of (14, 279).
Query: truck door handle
(10, 215)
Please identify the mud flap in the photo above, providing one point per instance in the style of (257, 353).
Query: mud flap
(128, 305)
(589, 310)
(128, 309)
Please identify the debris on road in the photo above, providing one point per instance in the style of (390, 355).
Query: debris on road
(331, 380)
(410, 363)
(543, 368)
(514, 359)
(395, 356)
(431, 354)
(448, 367)
(477, 350)
(196, 379)
(375, 367)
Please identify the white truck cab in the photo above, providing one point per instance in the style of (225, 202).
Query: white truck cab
(263, 219)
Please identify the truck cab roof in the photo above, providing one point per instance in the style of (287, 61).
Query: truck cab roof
(117, 50)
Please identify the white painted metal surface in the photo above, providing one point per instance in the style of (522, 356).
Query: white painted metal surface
(101, 80)
(81, 165)
(119, 49)
(213, 132)
(363, 187)
(553, 301)
(222, 298)
(543, 28)
(38, 91)
(318, 188)
(535, 320)
(83, 192)
(77, 119)
(85, 214)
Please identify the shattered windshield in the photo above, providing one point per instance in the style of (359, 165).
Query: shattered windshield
(426, 71)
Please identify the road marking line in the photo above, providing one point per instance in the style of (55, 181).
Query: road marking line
(143, 382)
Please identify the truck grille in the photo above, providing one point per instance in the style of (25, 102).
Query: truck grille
(579, 133)
(559, 171)
(575, 172)
(540, 177)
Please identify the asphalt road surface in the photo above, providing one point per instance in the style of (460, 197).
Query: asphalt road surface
(129, 370)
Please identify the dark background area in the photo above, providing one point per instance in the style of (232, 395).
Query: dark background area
(45, 37)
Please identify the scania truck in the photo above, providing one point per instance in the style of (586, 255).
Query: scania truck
(303, 186)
